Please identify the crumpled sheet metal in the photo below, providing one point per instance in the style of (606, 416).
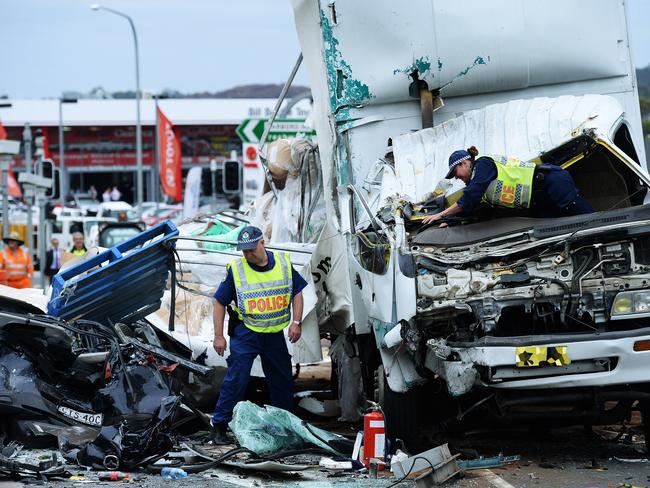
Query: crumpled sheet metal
(14, 466)
(119, 446)
(267, 430)
(117, 393)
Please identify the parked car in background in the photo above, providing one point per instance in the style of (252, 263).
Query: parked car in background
(166, 212)
(86, 203)
(146, 208)
(64, 226)
(112, 234)
(120, 210)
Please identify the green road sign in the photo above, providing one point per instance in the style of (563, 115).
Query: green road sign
(251, 130)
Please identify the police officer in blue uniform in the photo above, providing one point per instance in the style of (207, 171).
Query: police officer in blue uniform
(548, 190)
(259, 289)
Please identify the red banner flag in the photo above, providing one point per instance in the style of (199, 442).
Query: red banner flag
(14, 187)
(46, 144)
(169, 145)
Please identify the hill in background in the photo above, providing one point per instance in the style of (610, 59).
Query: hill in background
(243, 91)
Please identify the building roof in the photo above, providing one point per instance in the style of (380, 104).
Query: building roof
(93, 112)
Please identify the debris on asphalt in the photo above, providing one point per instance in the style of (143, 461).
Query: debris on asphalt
(433, 466)
(313, 402)
(173, 473)
(595, 465)
(492, 462)
(48, 469)
(118, 397)
(110, 476)
(636, 460)
(267, 466)
(333, 465)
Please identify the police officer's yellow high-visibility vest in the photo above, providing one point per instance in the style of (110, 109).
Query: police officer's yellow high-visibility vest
(263, 298)
(513, 186)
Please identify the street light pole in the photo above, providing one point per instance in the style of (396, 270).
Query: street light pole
(138, 126)
(41, 203)
(155, 179)
(213, 172)
(62, 174)
(28, 161)
(5, 162)
(66, 97)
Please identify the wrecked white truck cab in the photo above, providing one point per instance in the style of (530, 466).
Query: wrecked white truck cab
(535, 303)
(511, 310)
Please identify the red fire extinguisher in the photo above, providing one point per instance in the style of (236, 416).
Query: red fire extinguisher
(374, 435)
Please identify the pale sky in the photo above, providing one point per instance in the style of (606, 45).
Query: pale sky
(51, 46)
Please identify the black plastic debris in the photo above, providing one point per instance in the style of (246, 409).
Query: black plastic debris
(44, 470)
(109, 393)
(124, 446)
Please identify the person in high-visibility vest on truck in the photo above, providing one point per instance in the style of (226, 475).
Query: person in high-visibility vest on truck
(266, 296)
(16, 265)
(546, 189)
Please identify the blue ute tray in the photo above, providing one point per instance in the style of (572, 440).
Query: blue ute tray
(122, 284)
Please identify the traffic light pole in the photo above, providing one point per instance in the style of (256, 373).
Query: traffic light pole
(7, 150)
(41, 202)
(213, 172)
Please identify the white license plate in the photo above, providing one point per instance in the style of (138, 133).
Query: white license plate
(94, 419)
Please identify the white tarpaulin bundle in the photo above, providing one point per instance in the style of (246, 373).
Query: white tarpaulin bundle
(201, 270)
(298, 212)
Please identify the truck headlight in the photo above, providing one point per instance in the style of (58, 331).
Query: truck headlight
(631, 303)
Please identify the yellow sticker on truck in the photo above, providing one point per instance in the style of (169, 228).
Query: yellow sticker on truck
(533, 356)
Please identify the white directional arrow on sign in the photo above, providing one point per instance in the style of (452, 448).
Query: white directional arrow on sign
(248, 130)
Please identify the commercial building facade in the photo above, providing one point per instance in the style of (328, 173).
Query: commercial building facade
(99, 135)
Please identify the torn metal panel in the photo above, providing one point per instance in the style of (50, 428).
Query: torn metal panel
(126, 446)
(434, 466)
(120, 397)
(28, 300)
(593, 361)
(168, 356)
(52, 468)
(361, 58)
(424, 37)
(399, 366)
(121, 284)
(520, 128)
(317, 406)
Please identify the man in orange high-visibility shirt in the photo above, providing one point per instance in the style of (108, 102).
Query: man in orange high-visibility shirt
(16, 263)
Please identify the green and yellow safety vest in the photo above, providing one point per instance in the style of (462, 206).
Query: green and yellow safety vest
(513, 186)
(78, 252)
(263, 298)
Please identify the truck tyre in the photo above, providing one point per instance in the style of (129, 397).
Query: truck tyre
(403, 413)
(644, 407)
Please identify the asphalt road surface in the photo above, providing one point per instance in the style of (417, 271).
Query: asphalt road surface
(568, 457)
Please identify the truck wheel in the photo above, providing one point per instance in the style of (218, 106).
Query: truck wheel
(645, 418)
(403, 413)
